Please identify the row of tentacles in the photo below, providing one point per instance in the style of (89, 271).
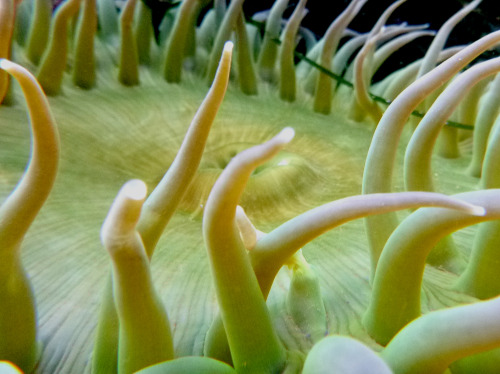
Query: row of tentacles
(134, 329)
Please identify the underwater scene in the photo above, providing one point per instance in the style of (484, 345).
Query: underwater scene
(254, 187)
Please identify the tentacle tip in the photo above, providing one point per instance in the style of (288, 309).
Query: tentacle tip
(8, 367)
(286, 135)
(228, 47)
(135, 189)
(6, 64)
(240, 211)
(478, 211)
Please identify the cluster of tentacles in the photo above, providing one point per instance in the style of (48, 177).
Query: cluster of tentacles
(76, 42)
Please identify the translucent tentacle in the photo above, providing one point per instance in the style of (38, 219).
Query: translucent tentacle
(363, 71)
(84, 64)
(164, 199)
(227, 26)
(377, 175)
(488, 112)
(38, 36)
(395, 299)
(161, 205)
(287, 68)
(246, 70)
(418, 173)
(431, 56)
(18, 344)
(53, 64)
(408, 74)
(7, 15)
(176, 45)
(144, 34)
(273, 250)
(384, 52)
(480, 277)
(342, 354)
(432, 342)
(269, 50)
(304, 301)
(255, 346)
(323, 94)
(128, 69)
(145, 338)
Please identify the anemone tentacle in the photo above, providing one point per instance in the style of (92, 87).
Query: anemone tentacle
(17, 213)
(479, 277)
(322, 96)
(128, 71)
(432, 342)
(363, 68)
(405, 254)
(144, 34)
(161, 205)
(431, 56)
(145, 336)
(344, 353)
(176, 46)
(286, 65)
(39, 31)
(7, 12)
(418, 174)
(53, 63)
(254, 344)
(269, 50)
(246, 71)
(486, 115)
(381, 155)
(271, 251)
(84, 62)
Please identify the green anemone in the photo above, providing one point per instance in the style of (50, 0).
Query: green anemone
(158, 224)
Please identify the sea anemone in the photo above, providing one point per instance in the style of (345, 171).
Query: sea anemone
(249, 254)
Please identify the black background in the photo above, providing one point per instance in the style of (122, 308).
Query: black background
(484, 19)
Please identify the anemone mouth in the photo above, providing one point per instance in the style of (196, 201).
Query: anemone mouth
(298, 179)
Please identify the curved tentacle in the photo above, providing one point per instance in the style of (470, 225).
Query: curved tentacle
(7, 15)
(84, 62)
(395, 299)
(128, 68)
(286, 58)
(488, 111)
(323, 92)
(431, 56)
(272, 251)
(39, 30)
(363, 63)
(161, 205)
(176, 45)
(432, 342)
(342, 354)
(254, 345)
(377, 176)
(16, 216)
(266, 61)
(163, 201)
(417, 171)
(145, 337)
(53, 64)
